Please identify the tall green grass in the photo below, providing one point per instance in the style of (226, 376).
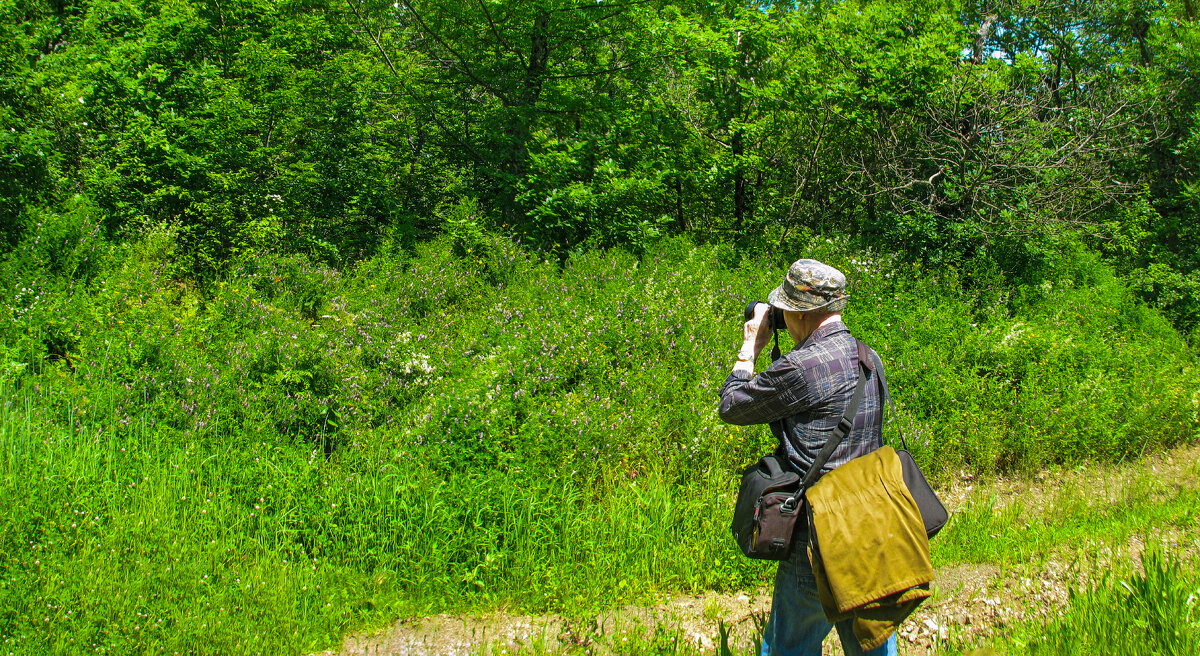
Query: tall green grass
(295, 451)
(121, 544)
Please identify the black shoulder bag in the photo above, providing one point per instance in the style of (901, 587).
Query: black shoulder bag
(933, 513)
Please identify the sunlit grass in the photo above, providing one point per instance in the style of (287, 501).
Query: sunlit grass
(1072, 516)
(1149, 611)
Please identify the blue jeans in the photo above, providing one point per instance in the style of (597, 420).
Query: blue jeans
(798, 626)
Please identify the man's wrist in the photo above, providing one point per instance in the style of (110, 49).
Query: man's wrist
(745, 362)
(749, 351)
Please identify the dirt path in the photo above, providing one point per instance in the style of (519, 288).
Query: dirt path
(969, 601)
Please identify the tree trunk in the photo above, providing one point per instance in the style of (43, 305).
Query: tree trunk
(739, 182)
(1141, 29)
(981, 37)
(521, 116)
(679, 222)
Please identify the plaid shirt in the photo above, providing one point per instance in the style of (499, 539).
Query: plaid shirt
(802, 396)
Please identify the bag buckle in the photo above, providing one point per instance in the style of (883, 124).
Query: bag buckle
(789, 506)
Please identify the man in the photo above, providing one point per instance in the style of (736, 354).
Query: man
(802, 395)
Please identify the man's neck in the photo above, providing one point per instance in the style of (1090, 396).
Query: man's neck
(811, 324)
(829, 318)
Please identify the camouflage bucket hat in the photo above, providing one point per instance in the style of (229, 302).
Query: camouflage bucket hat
(811, 285)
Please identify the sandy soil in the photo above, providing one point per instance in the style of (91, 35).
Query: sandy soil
(969, 601)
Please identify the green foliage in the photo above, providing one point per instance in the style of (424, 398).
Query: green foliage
(1028, 532)
(270, 268)
(606, 211)
(242, 125)
(958, 133)
(466, 425)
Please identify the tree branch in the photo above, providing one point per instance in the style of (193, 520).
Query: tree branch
(462, 61)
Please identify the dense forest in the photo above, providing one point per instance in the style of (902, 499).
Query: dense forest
(963, 133)
(319, 314)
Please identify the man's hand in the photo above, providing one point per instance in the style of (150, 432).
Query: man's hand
(755, 337)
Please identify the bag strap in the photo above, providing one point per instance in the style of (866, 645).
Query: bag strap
(890, 405)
